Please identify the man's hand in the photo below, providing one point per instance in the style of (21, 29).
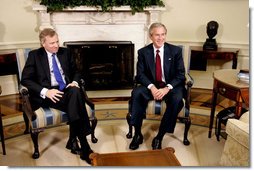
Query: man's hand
(73, 84)
(158, 94)
(54, 95)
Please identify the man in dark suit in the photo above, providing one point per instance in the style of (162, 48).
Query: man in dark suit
(51, 77)
(161, 73)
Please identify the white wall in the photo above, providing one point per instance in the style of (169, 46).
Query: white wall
(18, 23)
(185, 19)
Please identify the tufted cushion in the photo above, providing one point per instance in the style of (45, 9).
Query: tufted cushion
(50, 117)
(159, 107)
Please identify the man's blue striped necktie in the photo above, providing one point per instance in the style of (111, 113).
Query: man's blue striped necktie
(57, 73)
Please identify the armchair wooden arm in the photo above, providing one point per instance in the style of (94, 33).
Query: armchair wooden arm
(87, 100)
(189, 83)
(26, 105)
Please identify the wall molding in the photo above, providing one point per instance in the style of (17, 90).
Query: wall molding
(31, 44)
(22, 48)
(18, 45)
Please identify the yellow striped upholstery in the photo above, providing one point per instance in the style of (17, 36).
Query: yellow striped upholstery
(51, 117)
(159, 107)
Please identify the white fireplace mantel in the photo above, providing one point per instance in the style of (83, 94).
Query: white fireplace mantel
(85, 15)
(90, 24)
(45, 17)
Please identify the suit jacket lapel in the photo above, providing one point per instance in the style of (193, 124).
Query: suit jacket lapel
(166, 61)
(60, 57)
(151, 61)
(45, 63)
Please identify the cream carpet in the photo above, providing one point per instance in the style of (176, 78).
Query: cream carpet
(111, 136)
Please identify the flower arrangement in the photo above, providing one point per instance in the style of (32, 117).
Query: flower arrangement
(105, 5)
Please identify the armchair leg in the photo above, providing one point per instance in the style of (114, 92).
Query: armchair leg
(34, 137)
(93, 123)
(26, 123)
(186, 130)
(128, 118)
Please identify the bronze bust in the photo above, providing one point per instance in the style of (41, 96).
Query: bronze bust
(211, 30)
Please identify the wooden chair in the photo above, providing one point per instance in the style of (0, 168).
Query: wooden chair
(155, 110)
(37, 121)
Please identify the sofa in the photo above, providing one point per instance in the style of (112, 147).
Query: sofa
(236, 149)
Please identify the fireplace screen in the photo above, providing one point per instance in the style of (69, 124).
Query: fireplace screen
(104, 65)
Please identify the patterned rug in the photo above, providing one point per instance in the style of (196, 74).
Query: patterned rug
(114, 108)
(113, 113)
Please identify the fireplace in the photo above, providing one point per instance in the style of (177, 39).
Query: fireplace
(74, 25)
(104, 65)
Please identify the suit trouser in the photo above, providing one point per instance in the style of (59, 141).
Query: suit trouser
(138, 104)
(73, 104)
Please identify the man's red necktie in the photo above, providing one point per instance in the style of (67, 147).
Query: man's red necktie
(159, 82)
(158, 67)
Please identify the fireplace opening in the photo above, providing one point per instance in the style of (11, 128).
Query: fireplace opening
(104, 65)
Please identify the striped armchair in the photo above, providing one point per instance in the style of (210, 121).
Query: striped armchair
(155, 110)
(42, 118)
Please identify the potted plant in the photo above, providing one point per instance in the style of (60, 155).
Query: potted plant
(105, 5)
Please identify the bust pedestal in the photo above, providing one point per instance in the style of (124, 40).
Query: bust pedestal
(210, 44)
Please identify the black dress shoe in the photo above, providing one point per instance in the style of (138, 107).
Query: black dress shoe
(156, 144)
(73, 145)
(137, 139)
(84, 155)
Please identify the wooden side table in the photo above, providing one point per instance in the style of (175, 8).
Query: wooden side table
(1, 128)
(198, 56)
(227, 84)
(164, 157)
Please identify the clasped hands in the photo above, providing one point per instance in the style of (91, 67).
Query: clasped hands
(55, 95)
(158, 94)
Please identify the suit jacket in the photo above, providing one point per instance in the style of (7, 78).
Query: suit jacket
(174, 70)
(36, 72)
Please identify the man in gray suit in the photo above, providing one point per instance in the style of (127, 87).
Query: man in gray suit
(51, 77)
(161, 74)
